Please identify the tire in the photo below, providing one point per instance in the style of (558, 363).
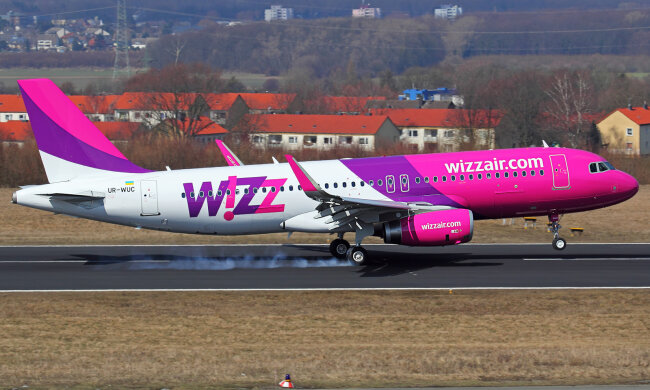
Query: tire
(357, 255)
(559, 243)
(339, 248)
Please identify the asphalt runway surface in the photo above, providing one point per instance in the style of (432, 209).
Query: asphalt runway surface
(312, 267)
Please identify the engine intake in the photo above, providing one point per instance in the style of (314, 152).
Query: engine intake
(435, 228)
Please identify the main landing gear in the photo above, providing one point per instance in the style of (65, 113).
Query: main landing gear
(559, 243)
(357, 255)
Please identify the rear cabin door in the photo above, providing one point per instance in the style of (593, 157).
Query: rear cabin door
(149, 197)
(560, 172)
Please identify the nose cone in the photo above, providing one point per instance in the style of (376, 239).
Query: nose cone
(628, 186)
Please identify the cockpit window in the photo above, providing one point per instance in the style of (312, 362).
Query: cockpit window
(600, 166)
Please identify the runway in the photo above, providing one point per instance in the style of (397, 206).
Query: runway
(311, 267)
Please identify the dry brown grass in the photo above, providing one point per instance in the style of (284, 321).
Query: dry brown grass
(324, 339)
(626, 222)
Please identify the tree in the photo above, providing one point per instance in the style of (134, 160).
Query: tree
(177, 98)
(570, 96)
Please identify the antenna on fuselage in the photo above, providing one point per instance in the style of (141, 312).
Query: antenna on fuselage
(544, 144)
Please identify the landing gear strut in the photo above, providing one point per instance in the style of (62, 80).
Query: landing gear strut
(559, 243)
(339, 247)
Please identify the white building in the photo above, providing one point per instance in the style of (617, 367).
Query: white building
(449, 12)
(366, 12)
(276, 12)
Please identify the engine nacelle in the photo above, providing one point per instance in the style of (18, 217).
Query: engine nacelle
(444, 227)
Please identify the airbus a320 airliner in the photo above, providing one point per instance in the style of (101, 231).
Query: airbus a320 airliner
(416, 200)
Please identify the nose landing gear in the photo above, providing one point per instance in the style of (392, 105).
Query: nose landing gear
(559, 243)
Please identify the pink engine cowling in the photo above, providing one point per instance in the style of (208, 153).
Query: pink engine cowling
(444, 227)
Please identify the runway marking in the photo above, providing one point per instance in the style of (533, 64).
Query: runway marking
(326, 289)
(587, 259)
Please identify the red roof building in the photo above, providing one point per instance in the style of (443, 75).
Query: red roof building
(319, 131)
(627, 131)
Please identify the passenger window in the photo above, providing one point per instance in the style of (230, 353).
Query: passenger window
(379, 182)
(290, 188)
(237, 191)
(327, 185)
(453, 178)
(471, 177)
(488, 175)
(281, 188)
(371, 182)
(272, 189)
(352, 184)
(264, 190)
(299, 187)
(435, 179)
(210, 193)
(506, 174)
(462, 177)
(426, 179)
(183, 195)
(362, 183)
(479, 176)
(514, 174)
(219, 193)
(192, 195)
(255, 190)
(336, 185)
(344, 184)
(227, 192)
(496, 175)
(541, 172)
(532, 173)
(444, 178)
(523, 173)
(417, 180)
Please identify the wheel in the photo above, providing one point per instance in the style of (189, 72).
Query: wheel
(357, 255)
(339, 248)
(559, 243)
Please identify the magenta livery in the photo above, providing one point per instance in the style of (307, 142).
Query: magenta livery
(416, 200)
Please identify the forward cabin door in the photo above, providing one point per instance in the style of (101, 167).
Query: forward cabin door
(560, 171)
(149, 197)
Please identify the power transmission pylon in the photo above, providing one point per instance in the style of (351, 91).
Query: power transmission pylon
(121, 41)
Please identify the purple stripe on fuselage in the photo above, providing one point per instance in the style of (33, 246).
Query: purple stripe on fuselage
(59, 143)
(378, 168)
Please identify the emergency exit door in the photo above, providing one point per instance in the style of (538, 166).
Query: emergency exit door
(149, 197)
(560, 172)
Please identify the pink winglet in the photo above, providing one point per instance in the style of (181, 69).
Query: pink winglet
(231, 159)
(303, 180)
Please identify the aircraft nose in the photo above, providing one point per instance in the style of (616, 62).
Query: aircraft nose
(627, 186)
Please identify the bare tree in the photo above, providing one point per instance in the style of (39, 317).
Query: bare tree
(570, 99)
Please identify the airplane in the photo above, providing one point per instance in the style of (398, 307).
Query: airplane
(414, 200)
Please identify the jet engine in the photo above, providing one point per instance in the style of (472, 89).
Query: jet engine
(444, 227)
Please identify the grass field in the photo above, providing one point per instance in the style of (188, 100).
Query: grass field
(625, 222)
(81, 77)
(199, 340)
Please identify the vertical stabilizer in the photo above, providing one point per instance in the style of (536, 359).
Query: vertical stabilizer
(69, 144)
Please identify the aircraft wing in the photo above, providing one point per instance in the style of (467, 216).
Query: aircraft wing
(230, 157)
(339, 211)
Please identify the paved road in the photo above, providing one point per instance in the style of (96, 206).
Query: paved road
(310, 266)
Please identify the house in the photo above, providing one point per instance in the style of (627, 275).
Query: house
(151, 108)
(268, 103)
(118, 132)
(46, 41)
(441, 130)
(276, 12)
(14, 132)
(366, 11)
(395, 103)
(318, 131)
(448, 11)
(100, 108)
(349, 105)
(226, 109)
(627, 130)
(12, 108)
(210, 132)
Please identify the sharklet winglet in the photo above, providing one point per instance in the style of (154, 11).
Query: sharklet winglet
(230, 157)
